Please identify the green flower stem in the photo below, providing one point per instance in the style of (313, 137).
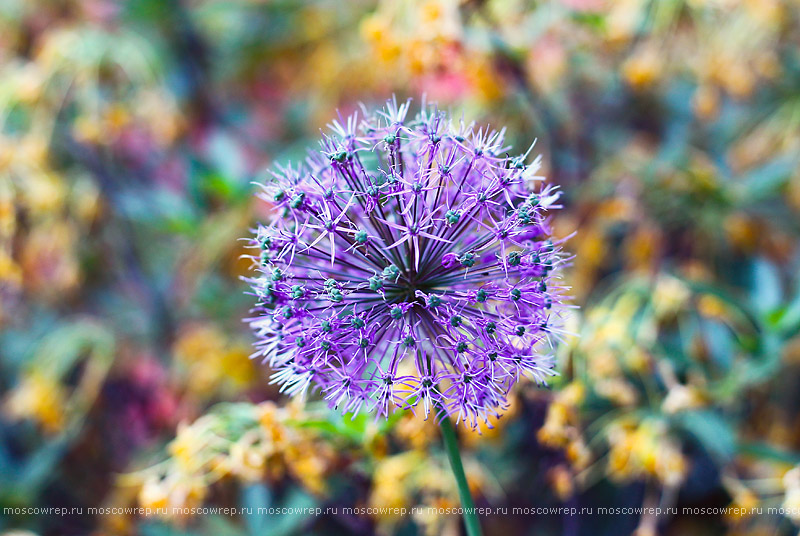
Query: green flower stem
(451, 447)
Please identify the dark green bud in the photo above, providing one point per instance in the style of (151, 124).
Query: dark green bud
(335, 295)
(297, 200)
(375, 283)
(467, 260)
(339, 156)
(391, 272)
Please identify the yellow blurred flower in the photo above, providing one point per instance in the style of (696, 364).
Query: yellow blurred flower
(769, 13)
(791, 499)
(732, 73)
(160, 115)
(153, 494)
(115, 118)
(592, 246)
(29, 83)
(681, 398)
(10, 272)
(390, 481)
(309, 462)
(742, 231)
(188, 447)
(562, 481)
(705, 102)
(49, 260)
(669, 296)
(246, 442)
(578, 454)
(248, 457)
(561, 420)
(637, 360)
(604, 363)
(617, 390)
(711, 306)
(415, 431)
(32, 151)
(743, 501)
(85, 201)
(40, 398)
(547, 63)
(43, 193)
(644, 450)
(642, 248)
(87, 129)
(643, 68)
(211, 361)
(556, 430)
(623, 19)
(486, 82)
(572, 394)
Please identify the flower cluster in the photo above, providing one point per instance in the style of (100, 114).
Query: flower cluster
(410, 264)
(244, 441)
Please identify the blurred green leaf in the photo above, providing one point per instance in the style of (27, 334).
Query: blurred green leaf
(256, 496)
(714, 433)
(787, 322)
(227, 156)
(766, 294)
(286, 525)
(766, 180)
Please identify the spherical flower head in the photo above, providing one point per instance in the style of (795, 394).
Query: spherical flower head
(409, 264)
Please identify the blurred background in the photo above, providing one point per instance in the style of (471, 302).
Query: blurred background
(130, 132)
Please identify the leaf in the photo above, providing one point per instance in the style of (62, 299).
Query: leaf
(323, 426)
(769, 452)
(712, 432)
(254, 497)
(787, 323)
(720, 343)
(766, 180)
(160, 528)
(283, 525)
(228, 158)
(767, 293)
(222, 525)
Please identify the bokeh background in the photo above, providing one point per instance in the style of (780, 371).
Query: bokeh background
(130, 133)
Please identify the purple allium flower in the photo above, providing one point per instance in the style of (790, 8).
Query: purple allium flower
(410, 264)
